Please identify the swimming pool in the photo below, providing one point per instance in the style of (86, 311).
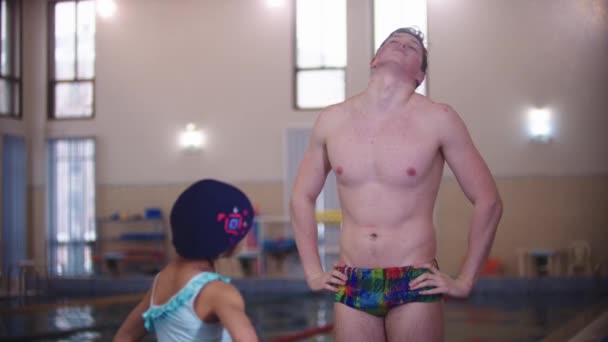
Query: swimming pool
(490, 317)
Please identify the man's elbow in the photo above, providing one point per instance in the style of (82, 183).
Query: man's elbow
(294, 204)
(494, 206)
(295, 208)
(497, 207)
(299, 201)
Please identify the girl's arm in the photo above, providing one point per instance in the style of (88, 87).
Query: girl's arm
(227, 304)
(132, 329)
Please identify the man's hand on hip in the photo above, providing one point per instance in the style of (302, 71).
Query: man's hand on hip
(327, 280)
(440, 283)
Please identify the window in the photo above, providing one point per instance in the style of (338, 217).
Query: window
(10, 58)
(390, 15)
(13, 219)
(71, 59)
(321, 53)
(71, 210)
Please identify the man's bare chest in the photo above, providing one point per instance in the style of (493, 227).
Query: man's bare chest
(395, 158)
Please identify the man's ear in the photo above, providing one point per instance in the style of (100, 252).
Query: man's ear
(420, 76)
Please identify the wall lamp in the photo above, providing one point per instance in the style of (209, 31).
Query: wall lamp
(540, 125)
(192, 138)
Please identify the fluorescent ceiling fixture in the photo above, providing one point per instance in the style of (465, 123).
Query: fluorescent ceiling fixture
(192, 138)
(539, 124)
(390, 15)
(106, 8)
(275, 3)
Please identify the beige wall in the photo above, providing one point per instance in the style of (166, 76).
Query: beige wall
(540, 213)
(223, 65)
(232, 77)
(227, 66)
(267, 198)
(492, 60)
(37, 227)
(33, 83)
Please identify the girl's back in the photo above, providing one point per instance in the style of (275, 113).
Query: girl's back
(188, 301)
(180, 303)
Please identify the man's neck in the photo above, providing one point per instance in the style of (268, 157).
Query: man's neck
(385, 91)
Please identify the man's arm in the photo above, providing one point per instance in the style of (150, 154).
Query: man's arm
(309, 182)
(228, 305)
(479, 186)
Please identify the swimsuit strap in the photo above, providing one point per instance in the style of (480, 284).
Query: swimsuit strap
(153, 289)
(189, 291)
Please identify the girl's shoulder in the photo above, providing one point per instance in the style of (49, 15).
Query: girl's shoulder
(193, 293)
(216, 292)
(218, 289)
(171, 283)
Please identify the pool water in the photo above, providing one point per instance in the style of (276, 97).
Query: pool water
(480, 318)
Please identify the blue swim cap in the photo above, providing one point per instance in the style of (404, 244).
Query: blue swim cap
(209, 218)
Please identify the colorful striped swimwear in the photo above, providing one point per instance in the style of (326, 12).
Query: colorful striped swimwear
(377, 290)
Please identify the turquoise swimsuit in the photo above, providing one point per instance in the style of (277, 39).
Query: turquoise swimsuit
(176, 320)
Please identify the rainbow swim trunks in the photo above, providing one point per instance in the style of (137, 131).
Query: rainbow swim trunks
(377, 290)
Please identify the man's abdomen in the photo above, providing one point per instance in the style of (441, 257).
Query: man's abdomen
(382, 246)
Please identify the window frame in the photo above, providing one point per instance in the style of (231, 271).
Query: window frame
(15, 79)
(297, 69)
(52, 242)
(426, 45)
(52, 81)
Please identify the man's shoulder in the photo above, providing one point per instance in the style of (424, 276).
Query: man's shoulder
(431, 106)
(442, 112)
(447, 121)
(340, 107)
(335, 113)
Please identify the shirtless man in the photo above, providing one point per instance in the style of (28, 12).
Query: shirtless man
(387, 147)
